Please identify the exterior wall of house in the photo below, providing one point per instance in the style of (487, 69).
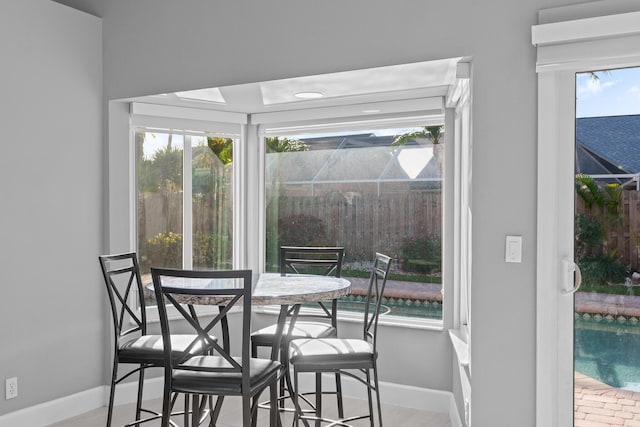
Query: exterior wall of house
(52, 312)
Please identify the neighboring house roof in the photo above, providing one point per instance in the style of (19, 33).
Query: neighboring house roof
(590, 163)
(608, 145)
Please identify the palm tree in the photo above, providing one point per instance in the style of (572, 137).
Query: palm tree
(277, 145)
(433, 134)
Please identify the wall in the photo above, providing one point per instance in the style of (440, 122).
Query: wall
(51, 309)
(157, 46)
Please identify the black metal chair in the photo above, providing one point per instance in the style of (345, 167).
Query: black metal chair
(353, 357)
(321, 323)
(219, 373)
(132, 344)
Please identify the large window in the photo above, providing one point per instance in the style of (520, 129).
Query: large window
(368, 190)
(184, 191)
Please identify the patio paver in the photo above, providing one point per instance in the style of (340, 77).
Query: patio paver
(599, 405)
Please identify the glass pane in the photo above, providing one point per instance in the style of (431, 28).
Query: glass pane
(159, 158)
(212, 193)
(367, 191)
(607, 247)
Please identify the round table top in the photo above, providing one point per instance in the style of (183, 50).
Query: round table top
(273, 288)
(270, 289)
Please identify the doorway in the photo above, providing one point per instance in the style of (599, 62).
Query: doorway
(607, 238)
(565, 48)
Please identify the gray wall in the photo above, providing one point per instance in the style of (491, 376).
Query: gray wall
(154, 46)
(147, 51)
(51, 307)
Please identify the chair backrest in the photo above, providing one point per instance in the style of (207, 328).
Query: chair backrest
(324, 260)
(377, 283)
(121, 274)
(180, 290)
(311, 260)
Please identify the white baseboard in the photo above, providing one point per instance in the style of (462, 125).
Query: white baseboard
(70, 406)
(394, 394)
(56, 410)
(60, 409)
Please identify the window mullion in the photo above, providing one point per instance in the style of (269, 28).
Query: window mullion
(187, 205)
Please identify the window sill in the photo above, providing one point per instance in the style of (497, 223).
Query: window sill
(390, 321)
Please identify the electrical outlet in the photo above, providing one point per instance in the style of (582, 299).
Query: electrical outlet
(11, 388)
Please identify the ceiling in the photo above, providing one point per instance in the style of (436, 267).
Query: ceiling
(391, 83)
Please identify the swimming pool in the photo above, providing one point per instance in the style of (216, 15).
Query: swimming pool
(608, 350)
(418, 308)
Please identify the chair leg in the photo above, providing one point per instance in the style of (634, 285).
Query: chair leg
(377, 385)
(273, 409)
(318, 398)
(140, 389)
(114, 375)
(246, 411)
(166, 407)
(215, 410)
(187, 398)
(339, 395)
(294, 397)
(369, 397)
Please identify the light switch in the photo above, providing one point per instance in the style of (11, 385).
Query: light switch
(513, 249)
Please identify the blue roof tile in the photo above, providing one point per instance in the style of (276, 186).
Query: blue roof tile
(615, 139)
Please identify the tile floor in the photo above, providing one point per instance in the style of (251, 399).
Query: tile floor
(395, 416)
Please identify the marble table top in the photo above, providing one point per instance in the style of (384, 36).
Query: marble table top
(271, 289)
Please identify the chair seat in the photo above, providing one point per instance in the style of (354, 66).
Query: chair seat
(262, 371)
(149, 349)
(266, 336)
(330, 354)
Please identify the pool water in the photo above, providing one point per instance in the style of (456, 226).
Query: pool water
(609, 351)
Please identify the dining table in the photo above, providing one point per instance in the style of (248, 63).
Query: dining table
(289, 291)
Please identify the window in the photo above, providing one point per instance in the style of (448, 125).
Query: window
(367, 190)
(184, 189)
(370, 185)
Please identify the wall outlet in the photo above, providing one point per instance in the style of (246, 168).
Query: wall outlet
(11, 388)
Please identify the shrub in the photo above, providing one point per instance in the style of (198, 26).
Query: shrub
(421, 254)
(589, 236)
(301, 230)
(208, 252)
(164, 250)
(603, 269)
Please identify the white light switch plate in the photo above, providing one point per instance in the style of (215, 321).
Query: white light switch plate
(513, 249)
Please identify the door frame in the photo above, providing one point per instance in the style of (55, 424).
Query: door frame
(563, 49)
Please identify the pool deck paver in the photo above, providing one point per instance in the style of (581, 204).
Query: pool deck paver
(607, 304)
(599, 405)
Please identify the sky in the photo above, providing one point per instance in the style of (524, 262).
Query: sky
(613, 93)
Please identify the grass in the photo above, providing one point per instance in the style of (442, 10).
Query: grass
(616, 289)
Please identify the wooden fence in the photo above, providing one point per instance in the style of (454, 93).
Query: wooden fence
(371, 222)
(363, 224)
(625, 238)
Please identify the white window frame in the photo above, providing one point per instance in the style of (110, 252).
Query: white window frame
(249, 156)
(189, 122)
(347, 118)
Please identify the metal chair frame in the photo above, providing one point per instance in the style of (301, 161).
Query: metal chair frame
(126, 294)
(377, 283)
(123, 314)
(323, 260)
(223, 374)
